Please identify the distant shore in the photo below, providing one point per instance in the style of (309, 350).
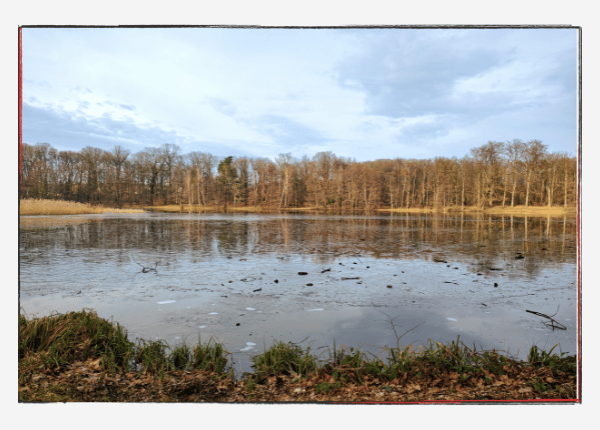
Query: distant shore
(497, 210)
(507, 210)
(62, 207)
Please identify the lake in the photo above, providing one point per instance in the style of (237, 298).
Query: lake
(249, 280)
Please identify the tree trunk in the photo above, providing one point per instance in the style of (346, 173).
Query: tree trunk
(462, 198)
(566, 182)
(190, 192)
(512, 197)
(403, 191)
(527, 188)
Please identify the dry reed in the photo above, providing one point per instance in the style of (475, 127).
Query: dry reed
(497, 210)
(63, 207)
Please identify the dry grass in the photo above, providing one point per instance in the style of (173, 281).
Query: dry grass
(211, 209)
(413, 210)
(310, 208)
(533, 210)
(63, 207)
(499, 210)
(166, 208)
(245, 209)
(507, 210)
(123, 211)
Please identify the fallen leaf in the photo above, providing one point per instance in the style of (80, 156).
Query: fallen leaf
(95, 365)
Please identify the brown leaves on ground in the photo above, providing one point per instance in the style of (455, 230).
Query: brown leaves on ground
(84, 382)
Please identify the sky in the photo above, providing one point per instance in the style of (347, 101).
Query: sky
(361, 93)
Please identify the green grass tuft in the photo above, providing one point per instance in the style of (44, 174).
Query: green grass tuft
(61, 339)
(151, 356)
(210, 356)
(284, 359)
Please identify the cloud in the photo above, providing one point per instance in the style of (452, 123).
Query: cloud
(362, 93)
(411, 72)
(291, 134)
(222, 106)
(464, 78)
(66, 130)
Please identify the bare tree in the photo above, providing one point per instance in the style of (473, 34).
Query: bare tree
(150, 163)
(284, 166)
(489, 159)
(161, 175)
(94, 163)
(533, 153)
(117, 159)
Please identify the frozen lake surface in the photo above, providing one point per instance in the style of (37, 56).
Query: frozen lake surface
(250, 280)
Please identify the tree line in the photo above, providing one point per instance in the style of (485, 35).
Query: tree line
(494, 174)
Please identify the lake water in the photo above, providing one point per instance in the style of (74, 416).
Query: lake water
(249, 280)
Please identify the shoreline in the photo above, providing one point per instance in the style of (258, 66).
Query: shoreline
(33, 207)
(535, 211)
(497, 210)
(54, 366)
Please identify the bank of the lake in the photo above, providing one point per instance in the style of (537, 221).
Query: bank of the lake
(62, 207)
(539, 211)
(80, 357)
(534, 211)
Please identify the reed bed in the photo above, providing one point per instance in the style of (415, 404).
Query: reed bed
(499, 210)
(63, 207)
(413, 210)
(123, 211)
(534, 211)
(215, 209)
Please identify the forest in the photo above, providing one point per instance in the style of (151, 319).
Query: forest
(494, 174)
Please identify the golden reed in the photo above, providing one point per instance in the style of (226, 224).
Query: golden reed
(63, 207)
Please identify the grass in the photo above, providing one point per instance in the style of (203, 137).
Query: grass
(284, 359)
(219, 209)
(533, 210)
(63, 207)
(506, 210)
(496, 210)
(413, 210)
(79, 356)
(434, 370)
(210, 356)
(59, 340)
(76, 336)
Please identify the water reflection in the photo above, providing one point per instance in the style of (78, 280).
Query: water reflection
(486, 242)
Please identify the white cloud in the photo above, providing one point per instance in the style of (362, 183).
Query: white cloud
(360, 93)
